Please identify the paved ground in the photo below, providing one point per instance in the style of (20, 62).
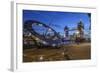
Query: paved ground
(67, 52)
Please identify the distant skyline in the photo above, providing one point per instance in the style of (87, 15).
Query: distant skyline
(58, 20)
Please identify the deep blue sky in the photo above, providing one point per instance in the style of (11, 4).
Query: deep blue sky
(58, 20)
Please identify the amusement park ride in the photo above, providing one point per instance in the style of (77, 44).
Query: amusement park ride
(38, 34)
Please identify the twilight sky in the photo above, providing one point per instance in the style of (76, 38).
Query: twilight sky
(58, 20)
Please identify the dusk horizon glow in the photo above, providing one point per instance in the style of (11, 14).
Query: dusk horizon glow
(58, 20)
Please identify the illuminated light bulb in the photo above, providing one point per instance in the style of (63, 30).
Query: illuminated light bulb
(49, 29)
(40, 24)
(37, 39)
(53, 45)
(63, 53)
(41, 58)
(77, 32)
(44, 42)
